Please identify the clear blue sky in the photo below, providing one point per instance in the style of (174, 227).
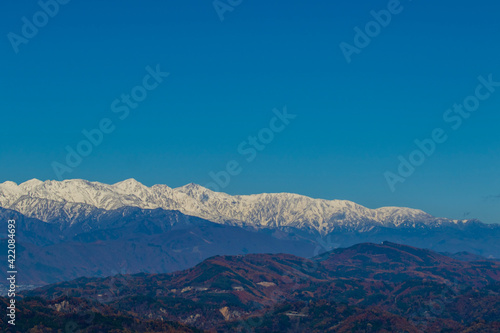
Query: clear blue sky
(226, 77)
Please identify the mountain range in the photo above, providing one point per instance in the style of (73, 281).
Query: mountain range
(70, 201)
(368, 287)
(79, 228)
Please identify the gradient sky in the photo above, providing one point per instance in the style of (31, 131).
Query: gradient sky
(226, 77)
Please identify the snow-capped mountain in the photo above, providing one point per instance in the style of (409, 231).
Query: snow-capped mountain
(72, 200)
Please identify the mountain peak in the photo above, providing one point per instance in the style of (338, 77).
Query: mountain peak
(30, 183)
(131, 182)
(9, 184)
(127, 181)
(191, 186)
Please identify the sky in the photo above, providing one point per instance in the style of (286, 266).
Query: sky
(324, 99)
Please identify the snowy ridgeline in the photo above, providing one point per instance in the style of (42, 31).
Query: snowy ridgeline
(68, 200)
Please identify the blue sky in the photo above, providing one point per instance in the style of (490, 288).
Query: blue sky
(353, 119)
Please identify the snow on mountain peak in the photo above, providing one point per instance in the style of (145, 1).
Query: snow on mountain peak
(128, 182)
(261, 210)
(8, 184)
(130, 186)
(192, 187)
(30, 184)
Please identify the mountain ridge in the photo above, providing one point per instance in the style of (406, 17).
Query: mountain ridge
(35, 198)
(379, 283)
